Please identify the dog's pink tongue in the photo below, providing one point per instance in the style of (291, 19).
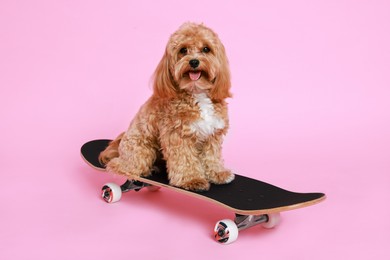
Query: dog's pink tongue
(195, 75)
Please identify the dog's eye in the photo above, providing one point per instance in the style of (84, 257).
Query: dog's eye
(206, 50)
(183, 50)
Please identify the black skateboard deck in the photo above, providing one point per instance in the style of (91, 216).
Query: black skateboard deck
(248, 198)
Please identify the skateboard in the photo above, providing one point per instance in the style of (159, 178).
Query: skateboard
(254, 202)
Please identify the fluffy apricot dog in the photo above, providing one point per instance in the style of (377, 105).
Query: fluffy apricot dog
(185, 119)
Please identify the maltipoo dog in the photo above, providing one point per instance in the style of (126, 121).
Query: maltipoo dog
(186, 117)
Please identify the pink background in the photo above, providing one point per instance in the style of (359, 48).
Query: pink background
(310, 112)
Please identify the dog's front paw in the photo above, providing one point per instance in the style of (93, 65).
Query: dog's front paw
(121, 167)
(223, 177)
(196, 184)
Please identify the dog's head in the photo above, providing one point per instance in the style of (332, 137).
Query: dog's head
(194, 61)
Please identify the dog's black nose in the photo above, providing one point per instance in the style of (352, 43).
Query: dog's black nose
(194, 63)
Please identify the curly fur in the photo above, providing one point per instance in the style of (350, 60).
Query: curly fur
(186, 117)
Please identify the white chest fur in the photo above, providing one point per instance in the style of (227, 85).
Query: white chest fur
(209, 122)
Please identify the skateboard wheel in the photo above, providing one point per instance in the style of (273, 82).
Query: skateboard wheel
(273, 220)
(111, 192)
(225, 231)
(153, 188)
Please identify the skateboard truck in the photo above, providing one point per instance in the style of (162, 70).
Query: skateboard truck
(244, 222)
(130, 185)
(226, 230)
(111, 192)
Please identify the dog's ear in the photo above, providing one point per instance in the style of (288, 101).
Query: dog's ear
(222, 82)
(164, 85)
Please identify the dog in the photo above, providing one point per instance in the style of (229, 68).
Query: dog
(185, 119)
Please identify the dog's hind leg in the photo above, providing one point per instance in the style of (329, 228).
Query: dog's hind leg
(137, 155)
(111, 150)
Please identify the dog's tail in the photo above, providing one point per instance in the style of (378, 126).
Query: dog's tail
(111, 151)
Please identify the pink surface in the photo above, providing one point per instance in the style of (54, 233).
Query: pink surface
(310, 112)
